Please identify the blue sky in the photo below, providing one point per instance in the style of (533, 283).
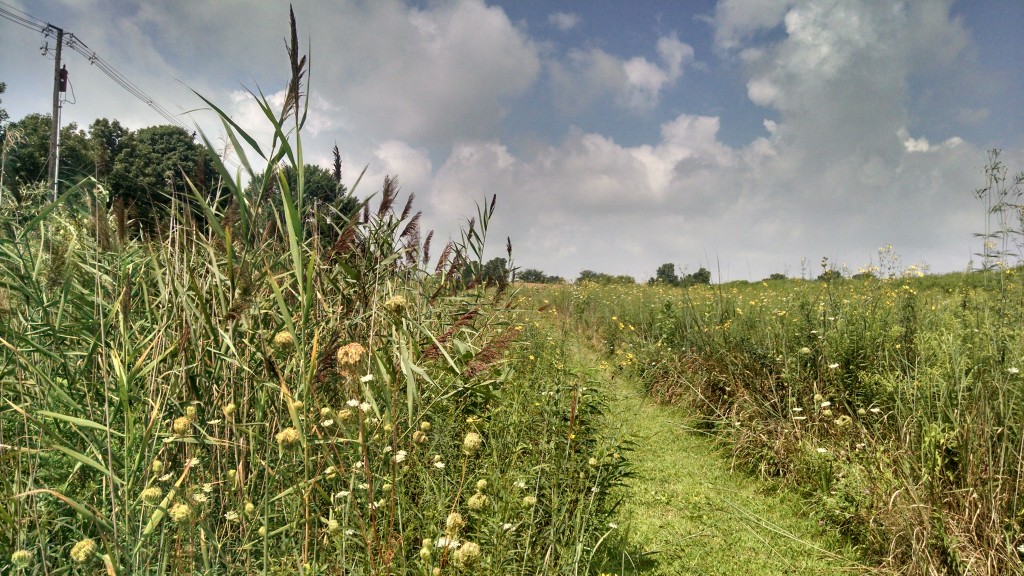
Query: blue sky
(746, 136)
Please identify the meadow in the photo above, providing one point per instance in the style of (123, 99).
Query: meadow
(891, 403)
(250, 385)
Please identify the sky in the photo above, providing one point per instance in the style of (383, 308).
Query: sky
(749, 137)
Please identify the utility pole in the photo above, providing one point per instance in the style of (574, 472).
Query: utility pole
(52, 162)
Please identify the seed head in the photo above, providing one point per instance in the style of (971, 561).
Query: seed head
(83, 550)
(180, 513)
(425, 426)
(152, 495)
(182, 426)
(229, 410)
(472, 442)
(467, 554)
(481, 485)
(477, 501)
(396, 304)
(158, 466)
(529, 501)
(454, 523)
(284, 340)
(419, 437)
(287, 437)
(21, 558)
(350, 355)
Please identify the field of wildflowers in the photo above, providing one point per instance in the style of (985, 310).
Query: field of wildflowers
(240, 394)
(892, 402)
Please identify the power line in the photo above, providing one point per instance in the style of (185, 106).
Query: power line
(26, 20)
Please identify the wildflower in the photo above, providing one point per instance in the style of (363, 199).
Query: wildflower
(349, 355)
(396, 304)
(454, 523)
(529, 501)
(152, 495)
(249, 508)
(592, 462)
(200, 498)
(822, 451)
(21, 558)
(861, 412)
(805, 351)
(83, 550)
(352, 402)
(419, 437)
(399, 456)
(818, 397)
(180, 513)
(386, 488)
(191, 413)
(262, 531)
(467, 554)
(481, 485)
(1013, 370)
(425, 426)
(157, 466)
(826, 404)
(519, 485)
(826, 413)
(364, 407)
(477, 501)
(439, 465)
(472, 442)
(425, 554)
(229, 410)
(284, 340)
(287, 437)
(181, 426)
(332, 526)
(843, 420)
(833, 366)
(875, 410)
(231, 516)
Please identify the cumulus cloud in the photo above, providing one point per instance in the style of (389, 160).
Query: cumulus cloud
(636, 84)
(564, 21)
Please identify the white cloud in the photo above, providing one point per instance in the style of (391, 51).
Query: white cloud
(564, 21)
(636, 84)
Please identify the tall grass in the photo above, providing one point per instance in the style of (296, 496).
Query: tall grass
(243, 393)
(892, 404)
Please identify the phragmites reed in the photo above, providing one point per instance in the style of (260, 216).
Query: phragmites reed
(426, 247)
(387, 195)
(491, 353)
(431, 352)
(298, 65)
(336, 172)
(442, 260)
(412, 229)
(408, 208)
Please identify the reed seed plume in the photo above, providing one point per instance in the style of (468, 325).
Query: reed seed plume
(408, 208)
(491, 353)
(431, 351)
(494, 201)
(387, 195)
(298, 70)
(412, 229)
(337, 164)
(426, 247)
(446, 253)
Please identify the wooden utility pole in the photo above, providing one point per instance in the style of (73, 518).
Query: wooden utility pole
(52, 162)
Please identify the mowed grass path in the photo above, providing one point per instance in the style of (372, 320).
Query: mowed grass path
(688, 512)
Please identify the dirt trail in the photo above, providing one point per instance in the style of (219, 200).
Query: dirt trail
(688, 512)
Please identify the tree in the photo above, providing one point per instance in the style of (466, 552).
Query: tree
(776, 276)
(537, 277)
(107, 139)
(666, 274)
(701, 276)
(326, 200)
(152, 166)
(27, 163)
(495, 272)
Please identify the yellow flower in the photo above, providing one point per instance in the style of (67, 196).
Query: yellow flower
(425, 426)
(83, 550)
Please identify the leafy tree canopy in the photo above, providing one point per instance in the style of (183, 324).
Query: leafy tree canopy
(27, 162)
(538, 277)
